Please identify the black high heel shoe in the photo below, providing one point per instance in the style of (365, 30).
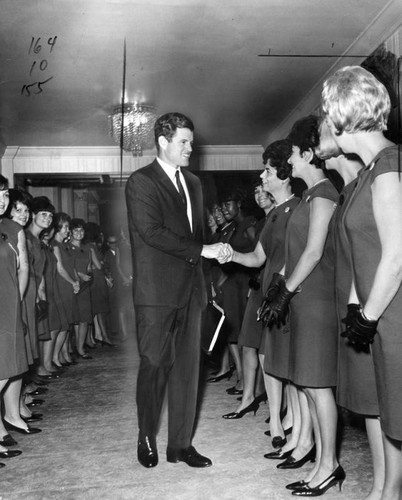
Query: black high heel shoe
(11, 427)
(261, 398)
(286, 431)
(337, 477)
(234, 415)
(227, 375)
(278, 455)
(296, 485)
(292, 463)
(233, 391)
(278, 441)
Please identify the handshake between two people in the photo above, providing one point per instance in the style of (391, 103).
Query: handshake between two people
(222, 252)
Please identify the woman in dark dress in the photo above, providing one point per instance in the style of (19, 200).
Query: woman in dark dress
(313, 333)
(270, 248)
(357, 107)
(13, 359)
(67, 283)
(82, 311)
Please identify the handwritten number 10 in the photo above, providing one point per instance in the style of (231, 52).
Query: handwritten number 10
(37, 47)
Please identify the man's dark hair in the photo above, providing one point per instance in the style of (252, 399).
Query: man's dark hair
(167, 124)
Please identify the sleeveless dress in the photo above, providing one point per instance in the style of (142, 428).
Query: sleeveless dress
(82, 311)
(313, 339)
(356, 388)
(276, 340)
(37, 260)
(64, 287)
(362, 234)
(13, 358)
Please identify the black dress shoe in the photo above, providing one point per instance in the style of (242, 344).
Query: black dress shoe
(296, 485)
(8, 441)
(147, 453)
(39, 391)
(227, 375)
(11, 427)
(292, 463)
(233, 391)
(10, 453)
(278, 455)
(253, 407)
(286, 431)
(32, 418)
(188, 455)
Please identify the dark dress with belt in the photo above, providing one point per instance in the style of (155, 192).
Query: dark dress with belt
(275, 342)
(313, 328)
(13, 358)
(356, 388)
(362, 233)
(64, 287)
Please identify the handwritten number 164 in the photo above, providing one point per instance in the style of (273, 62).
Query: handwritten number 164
(36, 47)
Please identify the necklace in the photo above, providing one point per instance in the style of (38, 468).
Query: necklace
(284, 201)
(319, 182)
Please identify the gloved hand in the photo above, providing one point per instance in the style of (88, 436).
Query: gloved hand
(278, 308)
(360, 332)
(353, 311)
(270, 294)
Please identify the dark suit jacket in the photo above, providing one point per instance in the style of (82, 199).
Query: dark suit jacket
(166, 253)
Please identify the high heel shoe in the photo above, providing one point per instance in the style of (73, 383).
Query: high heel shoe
(296, 485)
(278, 455)
(8, 441)
(234, 415)
(337, 477)
(10, 453)
(233, 391)
(11, 427)
(286, 431)
(227, 375)
(261, 398)
(292, 463)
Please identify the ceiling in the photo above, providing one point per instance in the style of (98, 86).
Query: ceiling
(199, 57)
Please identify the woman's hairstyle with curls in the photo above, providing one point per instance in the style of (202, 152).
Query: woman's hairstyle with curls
(59, 219)
(166, 126)
(41, 204)
(304, 134)
(278, 153)
(77, 223)
(3, 182)
(355, 101)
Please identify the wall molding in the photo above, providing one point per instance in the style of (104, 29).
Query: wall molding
(106, 160)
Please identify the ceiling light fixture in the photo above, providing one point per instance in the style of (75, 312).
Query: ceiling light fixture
(137, 123)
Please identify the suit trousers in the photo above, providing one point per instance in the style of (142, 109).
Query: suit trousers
(169, 347)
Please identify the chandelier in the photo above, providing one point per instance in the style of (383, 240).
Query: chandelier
(137, 125)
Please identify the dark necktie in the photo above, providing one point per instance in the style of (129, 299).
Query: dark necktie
(180, 187)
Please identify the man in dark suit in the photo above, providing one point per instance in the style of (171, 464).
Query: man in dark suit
(165, 217)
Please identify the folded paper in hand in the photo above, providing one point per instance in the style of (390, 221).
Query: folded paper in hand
(213, 321)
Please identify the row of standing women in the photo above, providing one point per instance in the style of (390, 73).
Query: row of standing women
(55, 302)
(332, 286)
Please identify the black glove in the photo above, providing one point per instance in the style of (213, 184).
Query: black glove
(270, 294)
(353, 311)
(42, 307)
(360, 332)
(278, 309)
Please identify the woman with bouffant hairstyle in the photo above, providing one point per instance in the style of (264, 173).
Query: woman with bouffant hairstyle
(357, 107)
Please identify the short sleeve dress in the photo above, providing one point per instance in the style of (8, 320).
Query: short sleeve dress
(13, 357)
(356, 388)
(313, 332)
(363, 237)
(276, 340)
(64, 287)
